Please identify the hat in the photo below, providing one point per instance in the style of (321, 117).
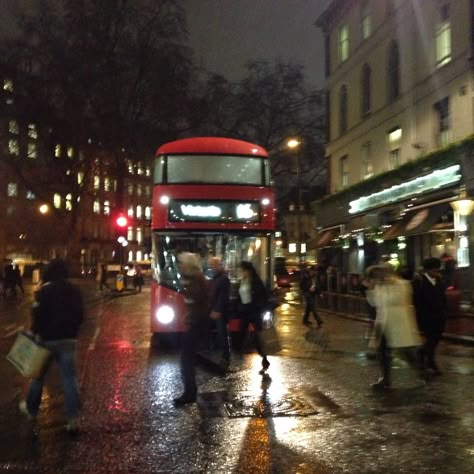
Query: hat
(432, 263)
(190, 259)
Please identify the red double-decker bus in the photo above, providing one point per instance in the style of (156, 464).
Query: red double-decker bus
(212, 197)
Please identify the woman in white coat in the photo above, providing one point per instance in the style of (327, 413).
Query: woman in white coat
(395, 324)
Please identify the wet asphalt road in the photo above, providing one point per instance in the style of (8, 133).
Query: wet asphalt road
(315, 413)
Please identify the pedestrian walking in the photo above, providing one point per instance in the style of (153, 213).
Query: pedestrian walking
(429, 296)
(219, 306)
(57, 314)
(310, 288)
(253, 300)
(137, 278)
(101, 277)
(18, 279)
(196, 299)
(9, 280)
(395, 323)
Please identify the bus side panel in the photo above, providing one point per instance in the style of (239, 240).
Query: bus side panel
(164, 296)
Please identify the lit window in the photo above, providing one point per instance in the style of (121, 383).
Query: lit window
(106, 184)
(96, 182)
(130, 233)
(115, 185)
(394, 139)
(148, 191)
(139, 235)
(70, 152)
(365, 20)
(68, 202)
(13, 127)
(130, 211)
(140, 168)
(130, 189)
(96, 207)
(130, 166)
(13, 147)
(443, 37)
(32, 131)
(147, 171)
(139, 212)
(444, 127)
(57, 151)
(8, 85)
(344, 171)
(57, 201)
(32, 150)
(367, 166)
(80, 177)
(343, 36)
(30, 195)
(148, 212)
(12, 190)
(139, 255)
(106, 208)
(139, 189)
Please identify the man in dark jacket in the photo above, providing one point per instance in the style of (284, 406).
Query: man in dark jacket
(219, 306)
(431, 307)
(58, 312)
(309, 286)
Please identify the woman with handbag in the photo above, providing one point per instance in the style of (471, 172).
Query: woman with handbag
(253, 300)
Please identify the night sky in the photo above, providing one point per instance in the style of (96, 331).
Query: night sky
(225, 34)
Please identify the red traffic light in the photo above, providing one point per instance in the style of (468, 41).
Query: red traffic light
(121, 221)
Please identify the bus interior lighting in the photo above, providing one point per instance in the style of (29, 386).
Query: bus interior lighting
(164, 199)
(165, 314)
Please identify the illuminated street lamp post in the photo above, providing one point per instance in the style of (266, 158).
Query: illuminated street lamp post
(293, 143)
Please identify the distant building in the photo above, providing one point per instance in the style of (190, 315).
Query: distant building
(59, 197)
(400, 127)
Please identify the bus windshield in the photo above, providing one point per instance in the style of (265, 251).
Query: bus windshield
(231, 249)
(212, 169)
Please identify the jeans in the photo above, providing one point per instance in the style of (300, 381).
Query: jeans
(64, 353)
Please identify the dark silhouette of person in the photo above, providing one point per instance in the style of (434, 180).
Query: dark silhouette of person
(310, 288)
(18, 278)
(9, 280)
(429, 297)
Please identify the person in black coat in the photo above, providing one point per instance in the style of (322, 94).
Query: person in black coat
(253, 300)
(58, 312)
(310, 288)
(429, 294)
(219, 306)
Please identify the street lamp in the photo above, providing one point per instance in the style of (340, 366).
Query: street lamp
(294, 143)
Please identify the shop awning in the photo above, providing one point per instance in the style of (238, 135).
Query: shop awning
(416, 222)
(323, 239)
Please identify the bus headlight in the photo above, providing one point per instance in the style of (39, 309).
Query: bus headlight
(165, 314)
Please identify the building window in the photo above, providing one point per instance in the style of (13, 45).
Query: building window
(30, 195)
(394, 141)
(96, 207)
(343, 43)
(32, 150)
(342, 110)
(12, 190)
(80, 177)
(148, 191)
(139, 212)
(365, 20)
(57, 201)
(444, 122)
(13, 127)
(8, 85)
(68, 202)
(366, 87)
(393, 73)
(32, 131)
(106, 184)
(70, 152)
(57, 151)
(130, 166)
(147, 171)
(147, 212)
(139, 235)
(97, 182)
(443, 37)
(130, 189)
(130, 234)
(366, 157)
(106, 208)
(139, 190)
(140, 168)
(344, 171)
(13, 147)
